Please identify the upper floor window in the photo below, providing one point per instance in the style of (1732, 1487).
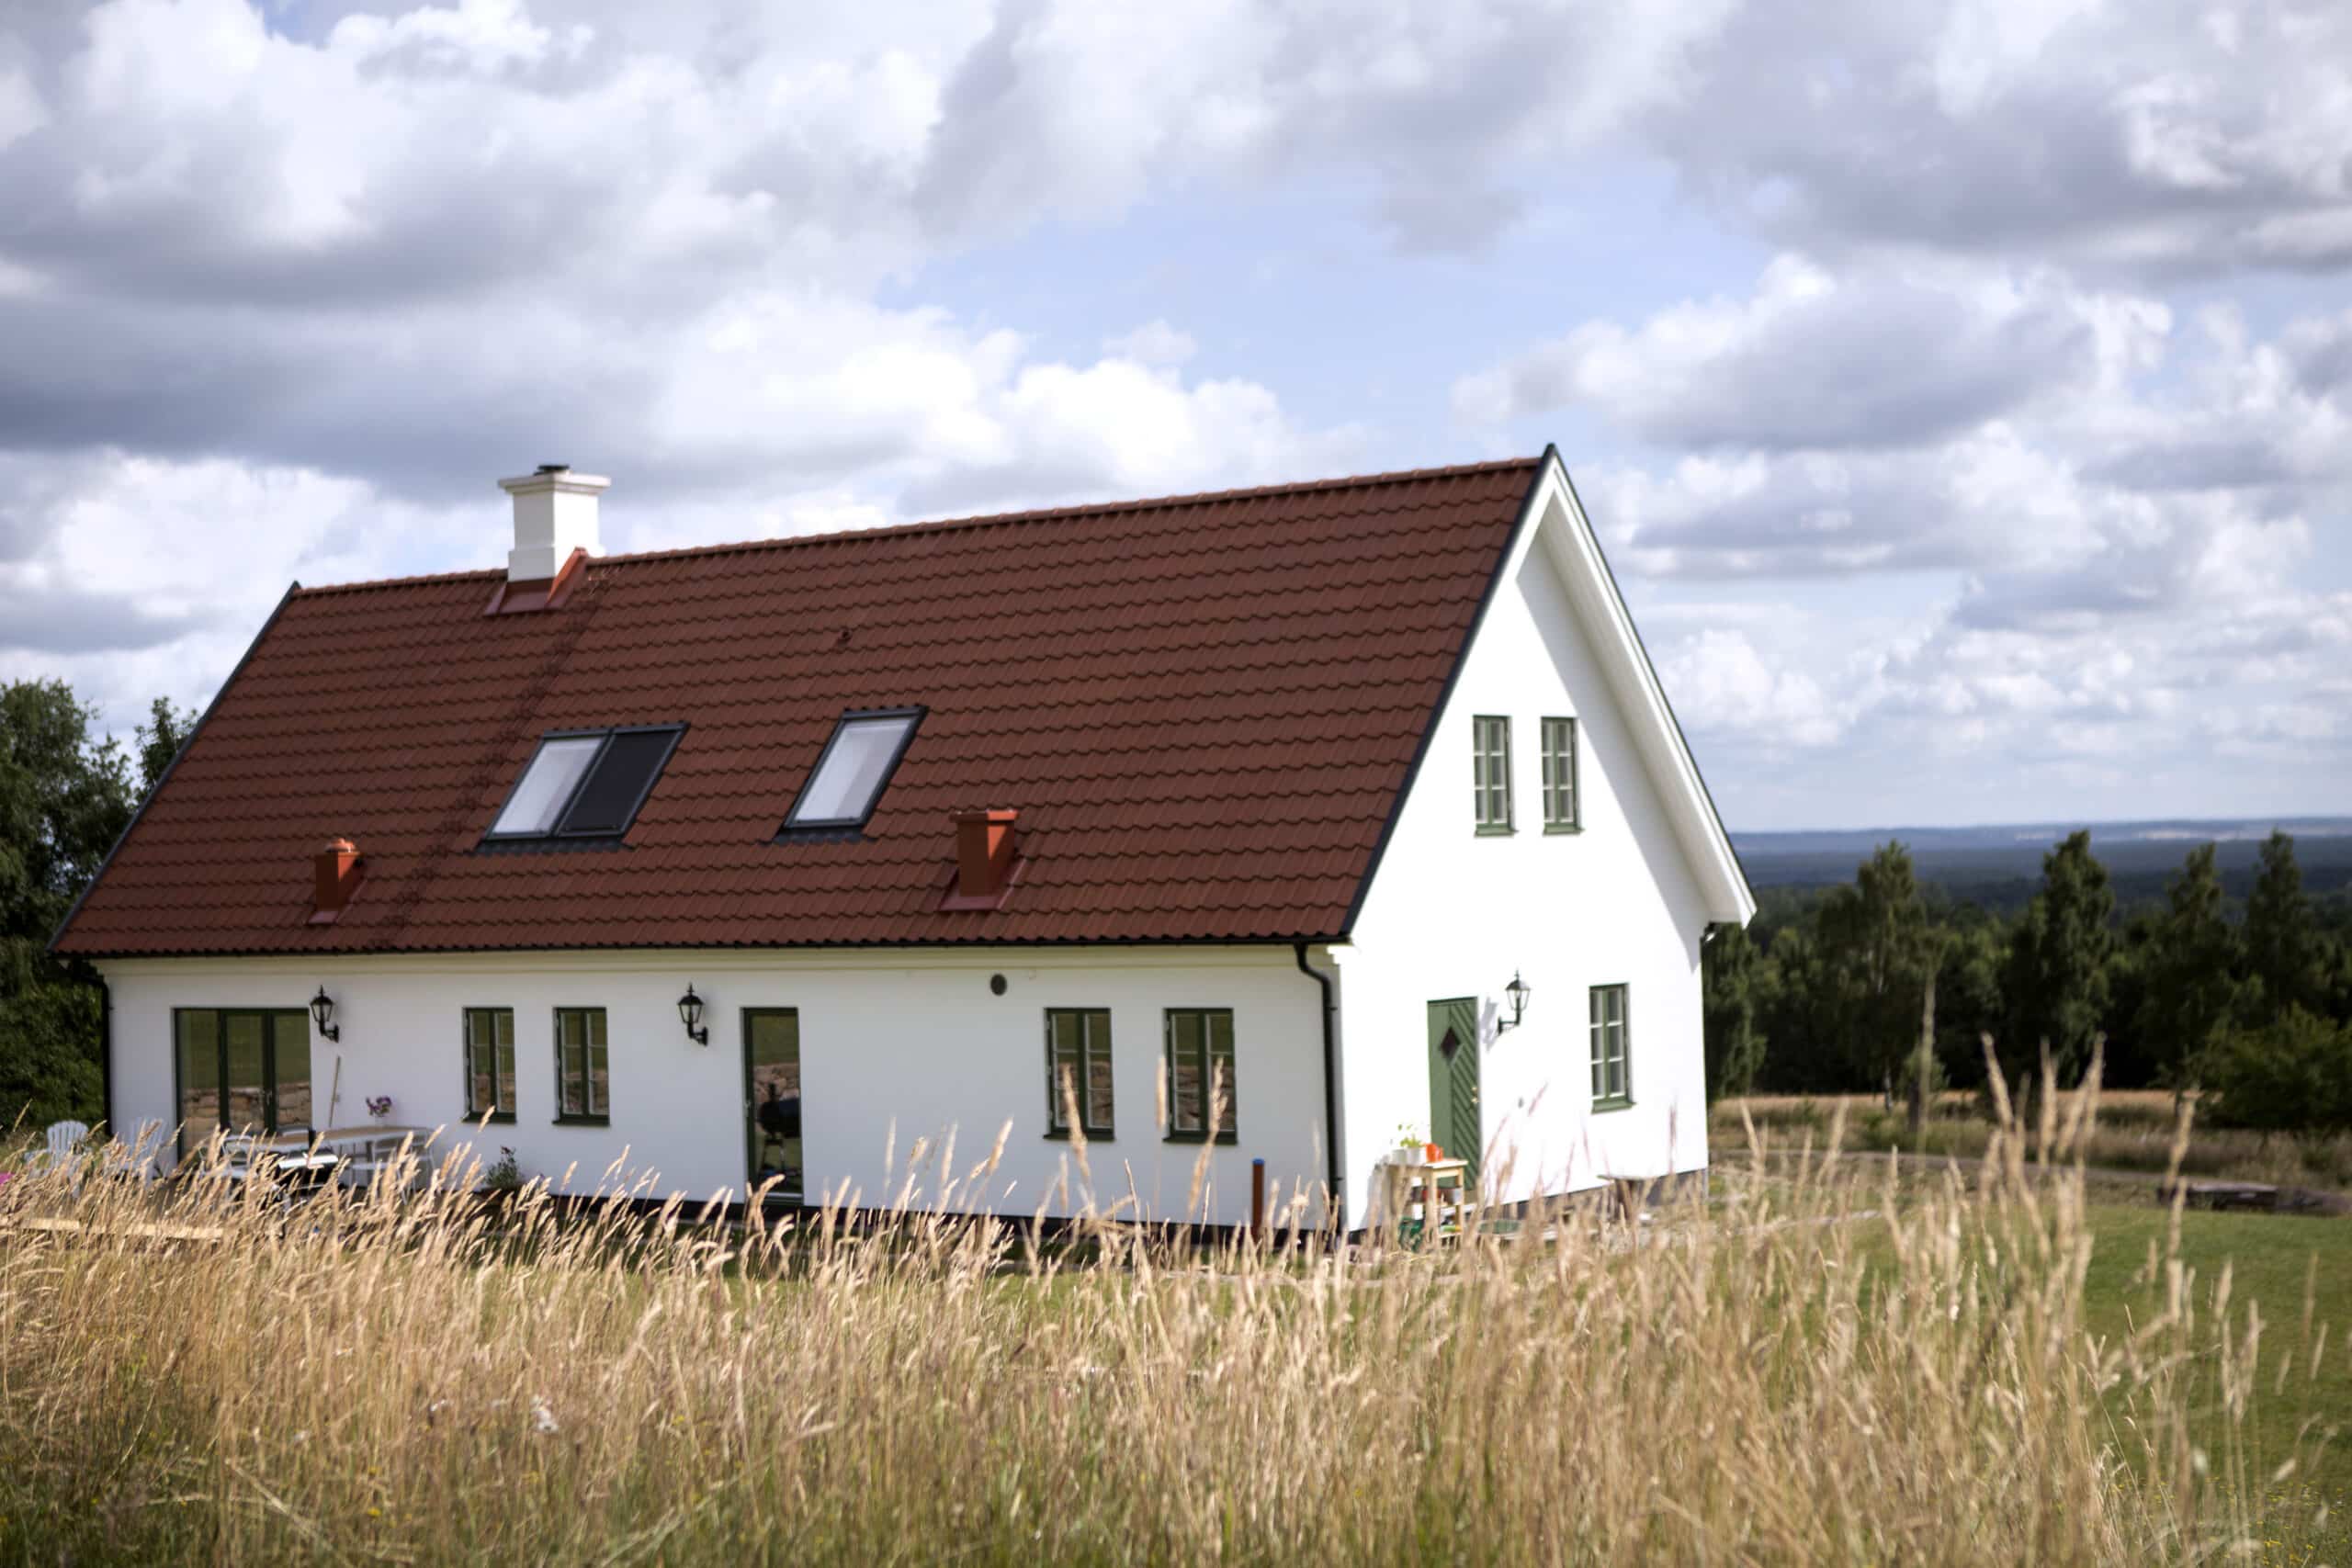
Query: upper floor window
(1077, 1070)
(854, 769)
(1560, 776)
(1200, 1073)
(489, 1064)
(585, 783)
(1612, 1084)
(1491, 772)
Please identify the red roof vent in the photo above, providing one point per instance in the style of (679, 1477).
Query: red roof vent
(335, 876)
(984, 860)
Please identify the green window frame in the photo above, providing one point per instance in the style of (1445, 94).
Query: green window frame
(1199, 1042)
(489, 1064)
(1612, 1082)
(1077, 1063)
(583, 1068)
(1560, 804)
(1490, 772)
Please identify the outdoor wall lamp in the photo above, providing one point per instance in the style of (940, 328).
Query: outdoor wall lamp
(690, 1010)
(1518, 991)
(323, 1015)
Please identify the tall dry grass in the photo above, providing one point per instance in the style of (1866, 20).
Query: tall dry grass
(1798, 1371)
(2135, 1130)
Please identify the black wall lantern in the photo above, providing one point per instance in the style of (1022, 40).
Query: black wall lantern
(690, 1011)
(323, 1015)
(1518, 991)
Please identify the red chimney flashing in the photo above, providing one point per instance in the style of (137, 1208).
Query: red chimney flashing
(540, 594)
(984, 859)
(334, 877)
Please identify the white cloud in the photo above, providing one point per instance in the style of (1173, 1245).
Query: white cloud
(2159, 138)
(1154, 343)
(1723, 686)
(1814, 359)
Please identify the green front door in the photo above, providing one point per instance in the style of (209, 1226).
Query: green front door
(1453, 1079)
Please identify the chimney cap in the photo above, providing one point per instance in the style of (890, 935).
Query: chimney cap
(340, 847)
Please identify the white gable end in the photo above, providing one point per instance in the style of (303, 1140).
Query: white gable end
(1622, 899)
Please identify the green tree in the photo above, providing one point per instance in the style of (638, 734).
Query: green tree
(2283, 953)
(2292, 1074)
(1737, 984)
(2190, 985)
(64, 800)
(160, 739)
(1882, 950)
(1969, 998)
(2057, 967)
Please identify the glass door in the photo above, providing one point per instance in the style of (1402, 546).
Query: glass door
(247, 1069)
(771, 1100)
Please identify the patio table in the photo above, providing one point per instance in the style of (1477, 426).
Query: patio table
(360, 1151)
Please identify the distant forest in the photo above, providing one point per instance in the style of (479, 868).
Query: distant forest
(2221, 971)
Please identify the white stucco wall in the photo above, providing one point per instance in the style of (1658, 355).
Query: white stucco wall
(905, 1045)
(1451, 913)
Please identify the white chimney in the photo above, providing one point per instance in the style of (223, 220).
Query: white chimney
(554, 513)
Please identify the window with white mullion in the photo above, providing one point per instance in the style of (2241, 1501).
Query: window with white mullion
(1560, 775)
(1078, 1068)
(1491, 768)
(1612, 1083)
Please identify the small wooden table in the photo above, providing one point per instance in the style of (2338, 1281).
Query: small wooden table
(1433, 1179)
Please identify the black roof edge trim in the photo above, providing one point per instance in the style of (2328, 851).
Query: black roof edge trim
(980, 944)
(1445, 695)
(169, 768)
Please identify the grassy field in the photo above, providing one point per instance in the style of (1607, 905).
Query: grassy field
(2135, 1130)
(1806, 1368)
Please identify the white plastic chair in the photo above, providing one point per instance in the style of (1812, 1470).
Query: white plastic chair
(64, 1138)
(138, 1157)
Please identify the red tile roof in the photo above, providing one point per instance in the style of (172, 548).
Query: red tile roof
(1204, 709)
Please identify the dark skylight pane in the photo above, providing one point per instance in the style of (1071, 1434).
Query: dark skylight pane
(853, 771)
(608, 801)
(547, 785)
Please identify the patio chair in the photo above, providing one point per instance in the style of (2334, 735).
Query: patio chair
(64, 1140)
(136, 1158)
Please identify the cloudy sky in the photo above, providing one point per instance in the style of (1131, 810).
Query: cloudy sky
(1962, 389)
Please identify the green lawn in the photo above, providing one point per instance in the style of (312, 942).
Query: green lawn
(2273, 1260)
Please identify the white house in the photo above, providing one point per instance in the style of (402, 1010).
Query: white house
(1279, 789)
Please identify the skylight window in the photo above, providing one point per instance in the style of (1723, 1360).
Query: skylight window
(854, 769)
(585, 783)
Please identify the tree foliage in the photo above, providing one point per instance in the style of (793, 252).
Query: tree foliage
(2057, 981)
(2282, 947)
(64, 798)
(2190, 989)
(1879, 951)
(1736, 980)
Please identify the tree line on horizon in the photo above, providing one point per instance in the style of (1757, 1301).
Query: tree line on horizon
(1886, 984)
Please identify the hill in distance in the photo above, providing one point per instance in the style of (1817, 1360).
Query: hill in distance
(1999, 864)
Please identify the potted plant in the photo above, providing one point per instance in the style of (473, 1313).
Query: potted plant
(379, 1106)
(502, 1181)
(1409, 1150)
